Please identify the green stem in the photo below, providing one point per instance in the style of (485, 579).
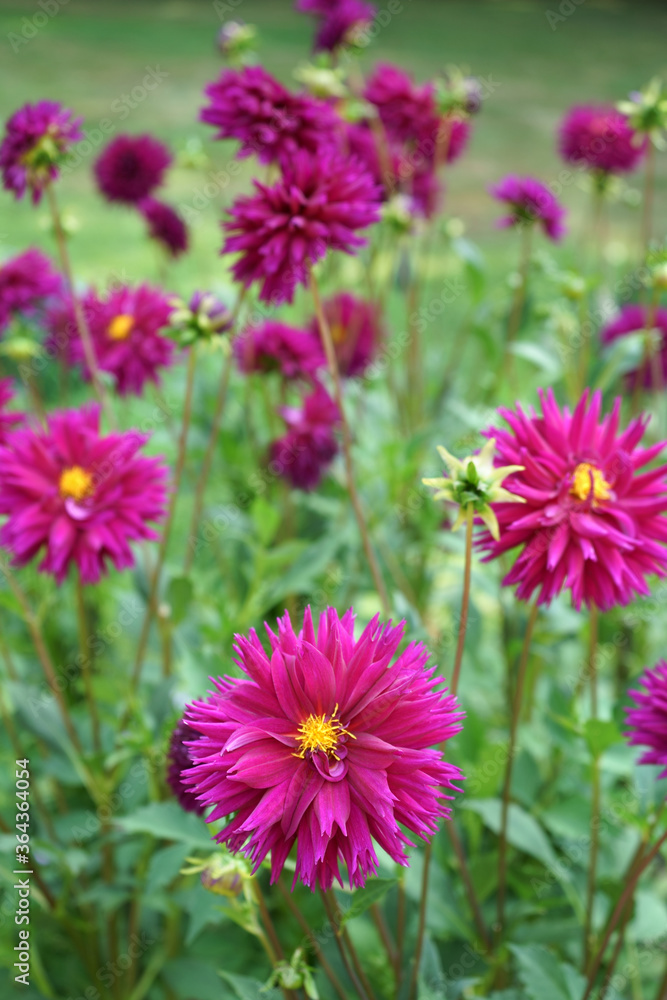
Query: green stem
(333, 917)
(595, 793)
(347, 940)
(465, 600)
(84, 634)
(315, 944)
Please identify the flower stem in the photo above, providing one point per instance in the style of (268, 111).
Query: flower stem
(315, 944)
(649, 190)
(327, 340)
(595, 792)
(356, 962)
(385, 937)
(84, 634)
(514, 725)
(333, 916)
(465, 600)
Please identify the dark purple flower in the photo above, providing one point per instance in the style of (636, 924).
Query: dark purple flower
(601, 138)
(304, 453)
(37, 138)
(530, 202)
(317, 205)
(165, 225)
(633, 319)
(647, 719)
(27, 282)
(356, 331)
(341, 22)
(407, 111)
(7, 420)
(179, 759)
(131, 167)
(275, 346)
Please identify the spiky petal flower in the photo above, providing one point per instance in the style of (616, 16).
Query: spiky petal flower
(276, 346)
(8, 421)
(636, 319)
(474, 481)
(356, 331)
(165, 226)
(647, 719)
(248, 104)
(36, 141)
(304, 453)
(131, 167)
(592, 522)
(530, 202)
(324, 744)
(601, 138)
(319, 204)
(27, 282)
(77, 497)
(179, 759)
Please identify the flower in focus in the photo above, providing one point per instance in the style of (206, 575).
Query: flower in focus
(591, 521)
(636, 319)
(202, 318)
(326, 745)
(8, 421)
(317, 205)
(303, 454)
(275, 346)
(647, 718)
(77, 497)
(250, 105)
(600, 138)
(343, 24)
(165, 226)
(530, 202)
(474, 482)
(179, 758)
(27, 282)
(131, 167)
(355, 331)
(37, 139)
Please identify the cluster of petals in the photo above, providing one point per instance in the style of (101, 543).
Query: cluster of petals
(276, 346)
(77, 497)
(165, 226)
(593, 517)
(27, 283)
(530, 201)
(37, 138)
(635, 319)
(646, 720)
(304, 453)
(8, 420)
(601, 138)
(326, 744)
(131, 167)
(342, 24)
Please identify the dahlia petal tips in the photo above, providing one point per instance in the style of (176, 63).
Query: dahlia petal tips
(647, 718)
(530, 202)
(178, 759)
(8, 420)
(327, 745)
(37, 139)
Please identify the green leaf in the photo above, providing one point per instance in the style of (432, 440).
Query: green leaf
(246, 988)
(375, 890)
(193, 978)
(167, 821)
(164, 867)
(523, 830)
(600, 735)
(545, 977)
(179, 597)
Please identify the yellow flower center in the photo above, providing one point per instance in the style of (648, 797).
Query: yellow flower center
(321, 732)
(120, 326)
(75, 483)
(338, 333)
(586, 480)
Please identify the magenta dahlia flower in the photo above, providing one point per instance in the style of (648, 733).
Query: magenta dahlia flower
(407, 111)
(633, 319)
(128, 328)
(529, 202)
(165, 226)
(318, 205)
(8, 421)
(179, 759)
(37, 139)
(341, 24)
(600, 138)
(647, 719)
(275, 346)
(27, 282)
(131, 167)
(303, 455)
(326, 745)
(356, 331)
(248, 104)
(592, 522)
(77, 497)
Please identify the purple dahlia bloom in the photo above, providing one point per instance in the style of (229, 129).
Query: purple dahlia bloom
(601, 138)
(647, 719)
(131, 167)
(356, 332)
(632, 319)
(326, 744)
(303, 455)
(275, 346)
(318, 205)
(165, 226)
(76, 497)
(179, 759)
(340, 23)
(37, 138)
(27, 282)
(8, 421)
(407, 111)
(529, 202)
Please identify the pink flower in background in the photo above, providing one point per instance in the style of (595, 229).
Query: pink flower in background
(270, 122)
(325, 745)
(76, 497)
(165, 226)
(8, 421)
(178, 760)
(633, 319)
(601, 138)
(356, 332)
(592, 522)
(530, 202)
(304, 453)
(275, 346)
(407, 111)
(341, 23)
(37, 139)
(647, 718)
(131, 167)
(27, 283)
(319, 204)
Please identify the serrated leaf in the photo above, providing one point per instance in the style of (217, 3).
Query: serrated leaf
(545, 977)
(167, 821)
(374, 890)
(523, 830)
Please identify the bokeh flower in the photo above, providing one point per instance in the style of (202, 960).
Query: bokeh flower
(304, 453)
(8, 420)
(343, 24)
(276, 346)
(326, 745)
(204, 317)
(530, 202)
(356, 331)
(647, 718)
(319, 204)
(131, 167)
(165, 226)
(592, 521)
(76, 497)
(27, 283)
(179, 759)
(653, 322)
(37, 139)
(407, 110)
(601, 138)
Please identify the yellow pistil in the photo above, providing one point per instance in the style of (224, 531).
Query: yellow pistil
(75, 483)
(321, 732)
(587, 479)
(120, 326)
